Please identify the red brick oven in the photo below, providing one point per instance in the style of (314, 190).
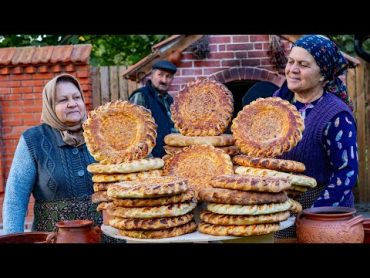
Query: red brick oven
(238, 61)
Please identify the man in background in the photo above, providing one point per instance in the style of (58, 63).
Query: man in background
(154, 96)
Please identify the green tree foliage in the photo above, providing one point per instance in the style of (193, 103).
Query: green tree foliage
(346, 44)
(106, 49)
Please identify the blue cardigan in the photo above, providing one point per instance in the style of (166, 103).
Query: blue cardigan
(46, 167)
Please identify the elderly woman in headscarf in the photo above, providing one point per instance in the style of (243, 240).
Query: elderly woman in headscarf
(328, 147)
(50, 162)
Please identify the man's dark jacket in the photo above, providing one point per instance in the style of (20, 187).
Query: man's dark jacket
(159, 113)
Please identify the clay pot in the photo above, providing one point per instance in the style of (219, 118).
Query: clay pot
(76, 231)
(175, 57)
(329, 225)
(27, 237)
(366, 225)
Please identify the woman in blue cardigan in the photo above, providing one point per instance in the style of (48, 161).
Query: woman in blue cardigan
(50, 162)
(328, 147)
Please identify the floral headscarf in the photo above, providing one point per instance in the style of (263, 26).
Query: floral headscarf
(71, 135)
(330, 61)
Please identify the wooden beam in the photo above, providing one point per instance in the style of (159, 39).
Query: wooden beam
(144, 66)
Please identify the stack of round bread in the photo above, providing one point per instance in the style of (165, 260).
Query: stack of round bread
(201, 112)
(264, 130)
(120, 135)
(152, 208)
(198, 164)
(240, 205)
(106, 174)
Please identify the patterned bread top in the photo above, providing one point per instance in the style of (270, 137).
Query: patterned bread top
(204, 107)
(198, 164)
(270, 163)
(267, 127)
(120, 131)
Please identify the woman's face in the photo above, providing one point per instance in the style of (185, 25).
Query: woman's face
(69, 106)
(302, 72)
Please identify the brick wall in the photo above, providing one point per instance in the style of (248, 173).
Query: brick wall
(231, 57)
(23, 73)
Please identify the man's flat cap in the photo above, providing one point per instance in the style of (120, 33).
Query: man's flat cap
(165, 65)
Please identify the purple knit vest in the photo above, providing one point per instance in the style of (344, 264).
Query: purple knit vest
(310, 150)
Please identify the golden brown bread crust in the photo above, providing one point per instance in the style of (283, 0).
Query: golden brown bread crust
(267, 127)
(248, 209)
(223, 219)
(100, 186)
(203, 107)
(100, 196)
(250, 183)
(104, 206)
(238, 197)
(295, 179)
(171, 232)
(179, 140)
(296, 206)
(138, 165)
(150, 224)
(154, 212)
(109, 178)
(120, 131)
(148, 188)
(237, 230)
(198, 164)
(151, 202)
(230, 150)
(270, 163)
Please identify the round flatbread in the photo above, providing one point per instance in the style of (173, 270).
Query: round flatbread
(179, 140)
(267, 127)
(148, 188)
(139, 165)
(248, 209)
(296, 207)
(120, 131)
(152, 202)
(270, 163)
(295, 179)
(104, 206)
(198, 164)
(237, 230)
(100, 196)
(239, 197)
(150, 224)
(230, 150)
(223, 219)
(154, 212)
(250, 183)
(171, 232)
(109, 178)
(100, 186)
(203, 107)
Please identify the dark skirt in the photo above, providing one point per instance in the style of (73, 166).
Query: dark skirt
(48, 213)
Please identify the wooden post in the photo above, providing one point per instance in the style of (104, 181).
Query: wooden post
(366, 167)
(361, 132)
(104, 82)
(113, 80)
(123, 84)
(95, 86)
